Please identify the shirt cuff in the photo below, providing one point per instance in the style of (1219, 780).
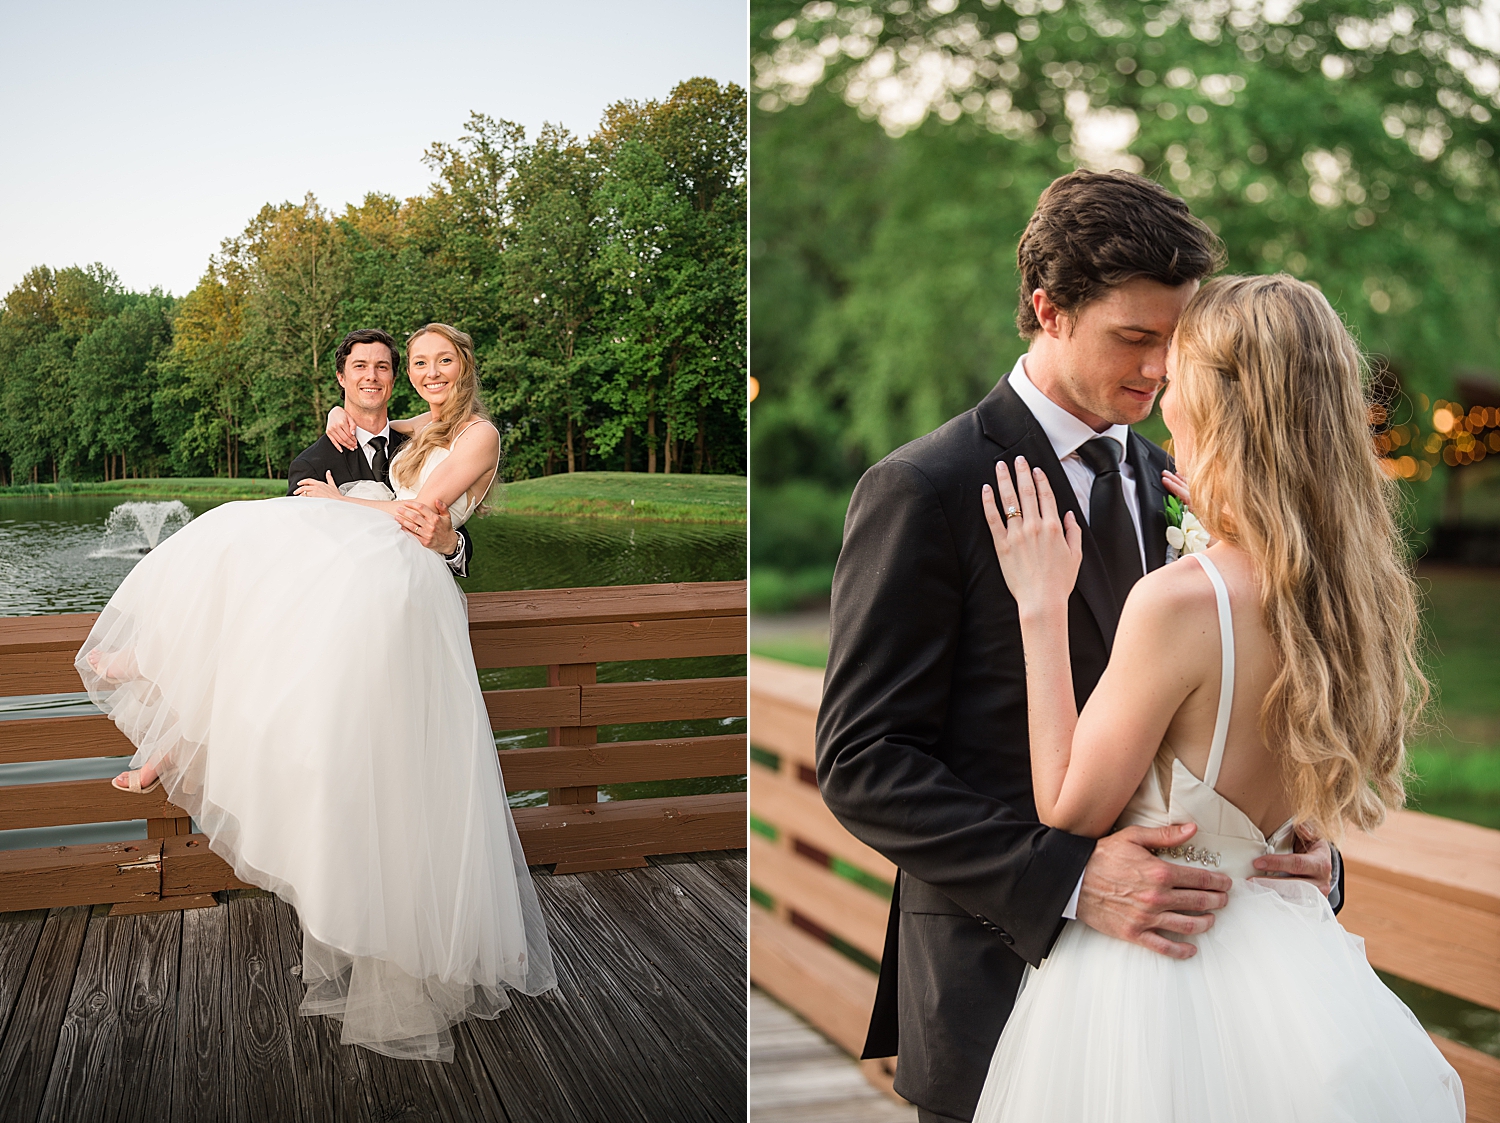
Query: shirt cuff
(456, 558)
(1071, 912)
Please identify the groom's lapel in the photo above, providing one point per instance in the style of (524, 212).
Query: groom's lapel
(1152, 498)
(1007, 422)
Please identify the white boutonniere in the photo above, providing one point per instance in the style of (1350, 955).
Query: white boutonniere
(1185, 534)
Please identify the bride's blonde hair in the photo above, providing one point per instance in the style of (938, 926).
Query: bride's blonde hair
(1284, 466)
(464, 404)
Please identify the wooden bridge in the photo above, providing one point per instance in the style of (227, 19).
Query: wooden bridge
(1424, 893)
(140, 980)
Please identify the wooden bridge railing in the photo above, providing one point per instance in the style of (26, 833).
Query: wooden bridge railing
(1423, 892)
(570, 631)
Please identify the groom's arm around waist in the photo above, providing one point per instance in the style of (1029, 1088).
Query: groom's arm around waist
(898, 600)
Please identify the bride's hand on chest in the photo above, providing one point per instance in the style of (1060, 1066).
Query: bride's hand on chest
(1039, 552)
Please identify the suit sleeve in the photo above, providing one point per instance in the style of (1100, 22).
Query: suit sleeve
(300, 470)
(460, 564)
(897, 603)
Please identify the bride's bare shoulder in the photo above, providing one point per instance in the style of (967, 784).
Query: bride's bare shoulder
(1175, 592)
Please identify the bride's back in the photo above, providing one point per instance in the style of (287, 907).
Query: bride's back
(1252, 776)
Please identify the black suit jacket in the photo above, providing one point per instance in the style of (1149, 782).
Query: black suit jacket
(348, 466)
(922, 739)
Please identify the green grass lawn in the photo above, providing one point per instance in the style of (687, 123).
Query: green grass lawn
(627, 495)
(612, 495)
(1456, 759)
(164, 488)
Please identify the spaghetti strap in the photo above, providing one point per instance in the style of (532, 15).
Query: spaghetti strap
(1226, 672)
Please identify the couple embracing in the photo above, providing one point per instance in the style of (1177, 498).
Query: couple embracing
(1110, 776)
(357, 781)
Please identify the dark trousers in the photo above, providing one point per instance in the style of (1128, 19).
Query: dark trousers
(925, 1116)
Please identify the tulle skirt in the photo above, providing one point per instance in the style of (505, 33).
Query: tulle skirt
(1278, 1017)
(299, 670)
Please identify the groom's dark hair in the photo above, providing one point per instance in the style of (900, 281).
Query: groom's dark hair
(1093, 231)
(367, 335)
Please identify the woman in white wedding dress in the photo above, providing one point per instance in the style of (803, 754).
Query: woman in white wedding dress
(297, 672)
(1258, 687)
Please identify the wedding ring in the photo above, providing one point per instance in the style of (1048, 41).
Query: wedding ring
(1012, 512)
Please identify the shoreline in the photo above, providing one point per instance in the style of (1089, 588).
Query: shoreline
(615, 496)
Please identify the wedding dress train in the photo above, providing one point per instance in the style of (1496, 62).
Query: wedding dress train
(299, 670)
(1277, 1017)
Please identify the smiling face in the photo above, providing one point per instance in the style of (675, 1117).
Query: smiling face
(434, 366)
(368, 378)
(1105, 362)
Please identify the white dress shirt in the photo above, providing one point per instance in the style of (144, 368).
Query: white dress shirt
(1067, 435)
(365, 437)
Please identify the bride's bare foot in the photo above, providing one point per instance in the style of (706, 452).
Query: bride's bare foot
(140, 780)
(118, 666)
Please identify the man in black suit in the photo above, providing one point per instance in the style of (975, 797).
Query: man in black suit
(922, 735)
(366, 364)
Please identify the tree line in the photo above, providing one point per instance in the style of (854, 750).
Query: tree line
(603, 280)
(900, 148)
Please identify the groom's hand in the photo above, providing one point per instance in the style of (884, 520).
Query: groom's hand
(431, 526)
(1311, 860)
(1131, 894)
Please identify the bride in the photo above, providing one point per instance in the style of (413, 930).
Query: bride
(357, 779)
(1282, 680)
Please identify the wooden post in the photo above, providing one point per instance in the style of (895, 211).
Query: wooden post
(573, 674)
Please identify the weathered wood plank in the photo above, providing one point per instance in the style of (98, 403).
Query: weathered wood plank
(88, 1066)
(148, 1017)
(514, 1057)
(795, 807)
(31, 1039)
(609, 640)
(799, 1076)
(62, 802)
(666, 601)
(20, 933)
(329, 1078)
(620, 762)
(611, 703)
(61, 738)
(204, 1031)
(723, 892)
(839, 906)
(637, 1072)
(686, 950)
(189, 868)
(92, 873)
(602, 831)
(262, 1062)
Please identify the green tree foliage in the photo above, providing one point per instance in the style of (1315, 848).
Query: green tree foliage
(530, 245)
(899, 148)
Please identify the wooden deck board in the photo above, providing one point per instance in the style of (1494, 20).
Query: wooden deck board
(201, 1053)
(193, 1016)
(31, 1038)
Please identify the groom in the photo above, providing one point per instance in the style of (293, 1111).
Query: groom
(922, 734)
(366, 364)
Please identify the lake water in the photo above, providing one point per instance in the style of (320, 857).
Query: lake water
(54, 558)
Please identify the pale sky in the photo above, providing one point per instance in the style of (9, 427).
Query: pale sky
(141, 135)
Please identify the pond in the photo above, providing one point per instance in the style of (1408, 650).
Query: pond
(61, 555)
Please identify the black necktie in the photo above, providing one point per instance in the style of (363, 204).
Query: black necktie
(1109, 517)
(379, 463)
